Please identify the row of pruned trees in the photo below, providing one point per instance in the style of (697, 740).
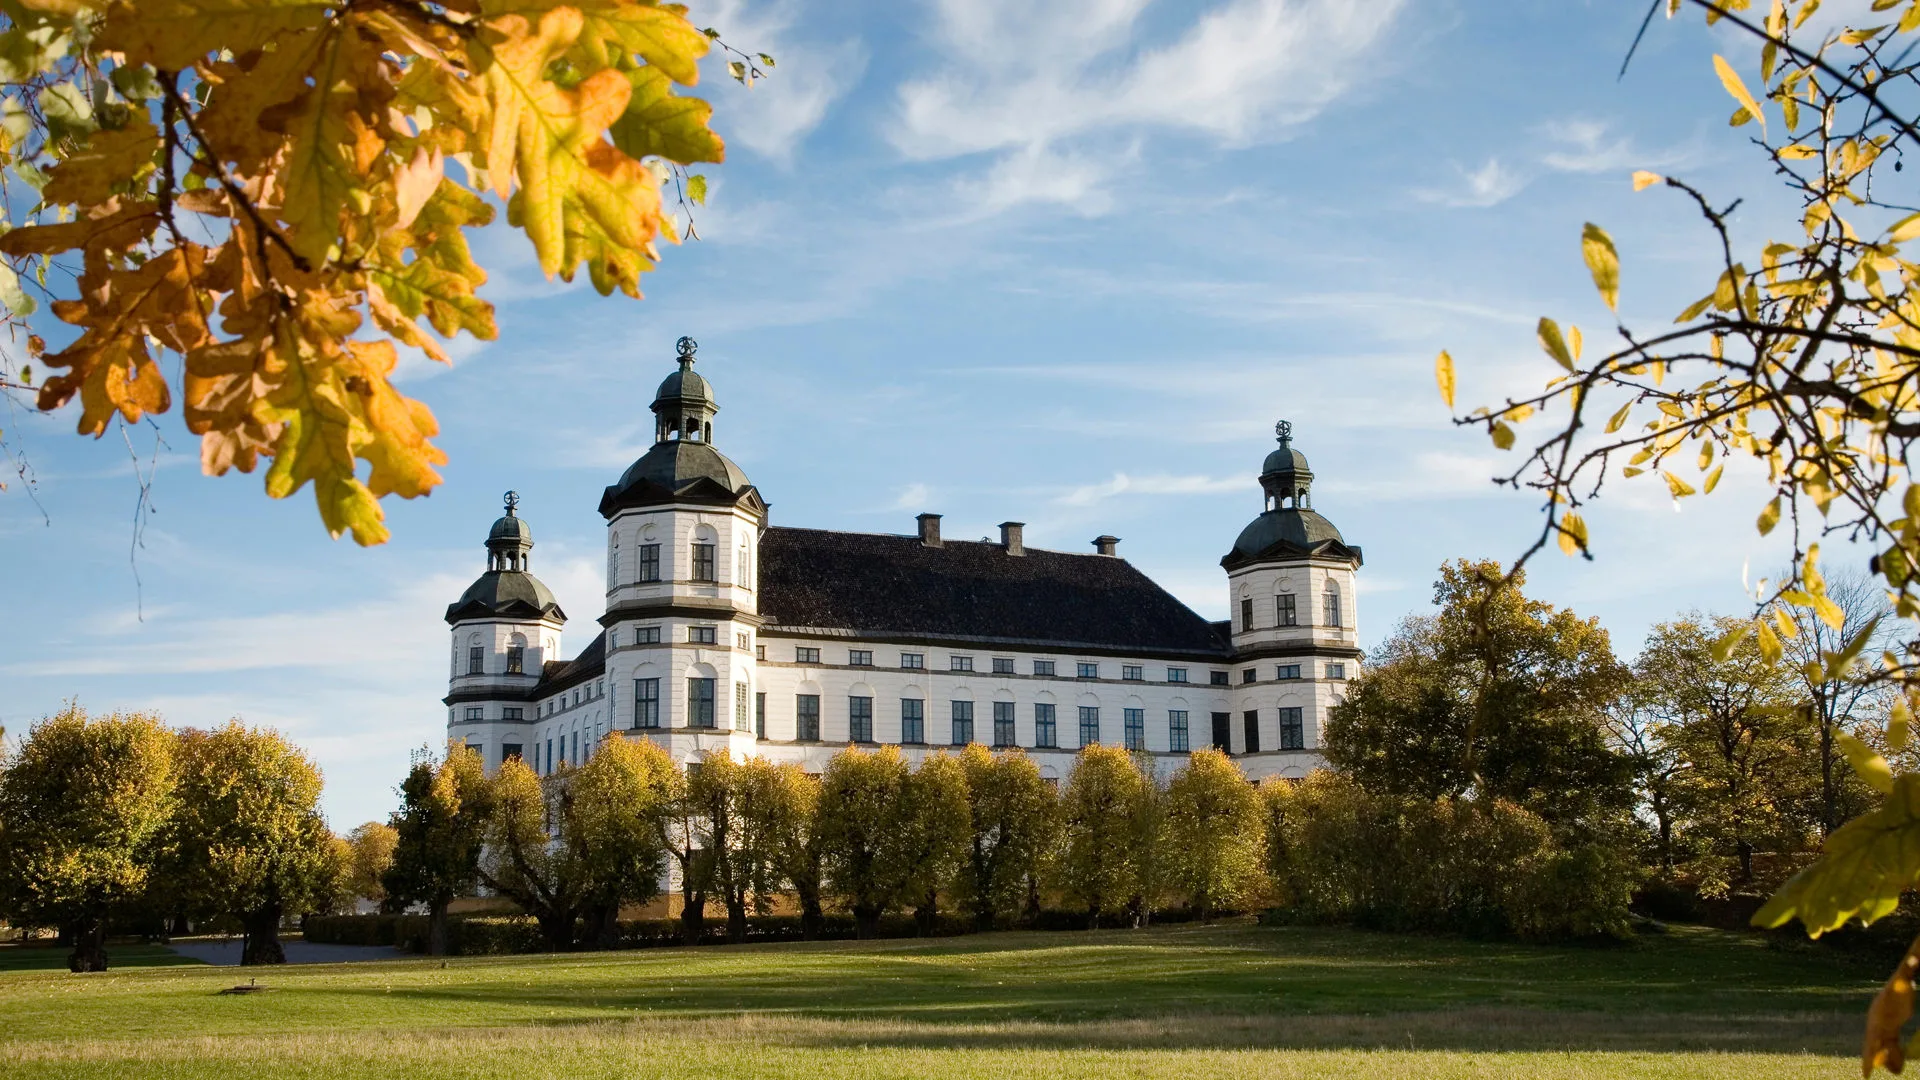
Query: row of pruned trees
(119, 821)
(873, 834)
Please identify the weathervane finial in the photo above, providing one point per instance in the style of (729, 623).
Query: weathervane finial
(1284, 429)
(686, 347)
(512, 500)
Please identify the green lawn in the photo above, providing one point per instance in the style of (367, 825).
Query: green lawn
(1186, 1002)
(38, 957)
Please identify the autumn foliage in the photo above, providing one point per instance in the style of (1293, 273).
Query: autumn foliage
(278, 193)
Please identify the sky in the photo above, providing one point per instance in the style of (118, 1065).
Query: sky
(1062, 263)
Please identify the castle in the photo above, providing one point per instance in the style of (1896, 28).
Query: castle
(722, 630)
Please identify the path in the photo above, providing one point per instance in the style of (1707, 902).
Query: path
(227, 951)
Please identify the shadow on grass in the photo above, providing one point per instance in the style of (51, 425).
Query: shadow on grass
(37, 957)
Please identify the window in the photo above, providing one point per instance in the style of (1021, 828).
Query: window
(703, 562)
(1249, 675)
(960, 663)
(741, 721)
(512, 712)
(476, 712)
(1043, 667)
(1336, 671)
(1089, 725)
(1333, 604)
(759, 652)
(760, 715)
(913, 661)
(1177, 730)
(1044, 734)
(509, 751)
(804, 655)
(1293, 734)
(1217, 678)
(1003, 724)
(1223, 732)
(1003, 665)
(806, 713)
(516, 658)
(1284, 610)
(860, 719)
(1134, 722)
(613, 639)
(1088, 671)
(646, 703)
(476, 660)
(1252, 719)
(576, 695)
(646, 635)
(860, 657)
(913, 720)
(1176, 674)
(962, 723)
(1246, 613)
(1131, 672)
(1287, 671)
(649, 562)
(613, 562)
(742, 642)
(549, 767)
(702, 635)
(700, 703)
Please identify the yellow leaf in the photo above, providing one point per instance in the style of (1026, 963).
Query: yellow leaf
(1798, 152)
(1769, 517)
(173, 34)
(1864, 867)
(1763, 636)
(1730, 79)
(1891, 1009)
(1602, 262)
(1617, 419)
(1871, 767)
(1548, 333)
(1900, 724)
(1644, 179)
(1677, 487)
(659, 123)
(1443, 374)
(1905, 229)
(1502, 436)
(1713, 480)
(1573, 534)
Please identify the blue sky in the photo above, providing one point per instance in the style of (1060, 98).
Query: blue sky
(1063, 263)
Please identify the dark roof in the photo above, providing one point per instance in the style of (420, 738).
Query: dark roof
(511, 528)
(1279, 533)
(685, 383)
(508, 594)
(896, 586)
(1285, 459)
(560, 674)
(676, 470)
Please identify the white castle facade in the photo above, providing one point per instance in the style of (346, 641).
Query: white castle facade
(722, 630)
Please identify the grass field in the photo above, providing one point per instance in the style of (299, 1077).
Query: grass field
(1186, 1002)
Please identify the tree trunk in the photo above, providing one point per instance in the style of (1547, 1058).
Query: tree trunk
(926, 915)
(736, 918)
(693, 917)
(179, 927)
(604, 926)
(261, 944)
(812, 920)
(1206, 908)
(556, 930)
(437, 925)
(866, 921)
(1033, 900)
(1827, 824)
(89, 946)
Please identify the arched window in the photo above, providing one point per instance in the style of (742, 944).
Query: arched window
(613, 560)
(476, 656)
(516, 654)
(742, 571)
(705, 544)
(1333, 604)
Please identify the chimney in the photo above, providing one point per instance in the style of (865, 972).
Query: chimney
(1106, 545)
(1011, 539)
(929, 529)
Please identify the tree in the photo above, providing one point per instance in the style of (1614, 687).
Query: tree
(789, 816)
(262, 189)
(1634, 730)
(682, 832)
(936, 825)
(1495, 694)
(703, 831)
(83, 813)
(444, 817)
(370, 854)
(1214, 834)
(1101, 807)
(751, 867)
(1012, 814)
(1837, 700)
(858, 823)
(247, 838)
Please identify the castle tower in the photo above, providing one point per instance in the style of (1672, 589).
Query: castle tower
(504, 629)
(683, 536)
(1290, 581)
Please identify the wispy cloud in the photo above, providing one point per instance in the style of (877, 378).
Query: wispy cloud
(1488, 185)
(774, 120)
(912, 497)
(1122, 484)
(1577, 145)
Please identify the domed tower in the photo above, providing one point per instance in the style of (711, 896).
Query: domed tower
(1290, 579)
(683, 540)
(505, 627)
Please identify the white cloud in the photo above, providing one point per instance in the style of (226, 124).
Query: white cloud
(1024, 78)
(1122, 484)
(1489, 185)
(776, 117)
(1581, 146)
(912, 497)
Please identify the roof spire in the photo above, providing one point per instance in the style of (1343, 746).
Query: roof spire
(1284, 429)
(512, 499)
(686, 347)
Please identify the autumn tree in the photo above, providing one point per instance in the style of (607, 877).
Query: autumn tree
(1102, 806)
(750, 872)
(683, 834)
(84, 806)
(935, 826)
(706, 836)
(858, 820)
(1214, 834)
(246, 838)
(1836, 700)
(371, 846)
(788, 816)
(1012, 820)
(442, 823)
(1495, 694)
(270, 196)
